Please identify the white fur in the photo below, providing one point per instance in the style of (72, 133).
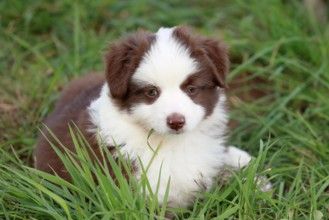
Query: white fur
(191, 159)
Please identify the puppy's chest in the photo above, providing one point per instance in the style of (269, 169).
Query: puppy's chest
(191, 165)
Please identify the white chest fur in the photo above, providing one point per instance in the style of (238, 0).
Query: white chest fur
(191, 162)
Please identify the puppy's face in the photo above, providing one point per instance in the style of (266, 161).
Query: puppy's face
(169, 81)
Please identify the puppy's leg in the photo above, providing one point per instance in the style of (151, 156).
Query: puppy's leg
(236, 158)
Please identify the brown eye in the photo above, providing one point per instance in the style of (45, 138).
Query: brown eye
(152, 92)
(191, 90)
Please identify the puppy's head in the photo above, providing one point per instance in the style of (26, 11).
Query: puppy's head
(168, 81)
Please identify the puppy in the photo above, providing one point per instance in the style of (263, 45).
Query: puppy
(172, 83)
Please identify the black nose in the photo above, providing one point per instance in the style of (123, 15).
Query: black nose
(176, 121)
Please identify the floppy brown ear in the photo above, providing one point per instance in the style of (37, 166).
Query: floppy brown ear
(217, 52)
(207, 50)
(123, 59)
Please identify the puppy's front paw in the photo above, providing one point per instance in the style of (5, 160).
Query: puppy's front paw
(236, 157)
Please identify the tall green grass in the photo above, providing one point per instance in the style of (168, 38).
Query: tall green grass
(278, 43)
(29, 193)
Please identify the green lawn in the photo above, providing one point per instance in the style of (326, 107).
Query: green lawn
(278, 44)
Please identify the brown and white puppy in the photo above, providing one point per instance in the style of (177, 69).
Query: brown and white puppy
(171, 82)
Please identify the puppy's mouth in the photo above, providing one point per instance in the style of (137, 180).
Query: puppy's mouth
(169, 132)
(178, 132)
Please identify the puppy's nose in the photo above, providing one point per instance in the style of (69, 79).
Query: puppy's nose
(175, 121)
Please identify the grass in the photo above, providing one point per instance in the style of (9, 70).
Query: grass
(44, 44)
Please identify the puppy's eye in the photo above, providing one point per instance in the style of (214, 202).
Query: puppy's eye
(151, 92)
(191, 90)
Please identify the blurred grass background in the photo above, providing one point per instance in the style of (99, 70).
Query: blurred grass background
(279, 48)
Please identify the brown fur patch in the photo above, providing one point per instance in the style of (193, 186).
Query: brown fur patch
(121, 62)
(206, 92)
(70, 109)
(137, 93)
(211, 54)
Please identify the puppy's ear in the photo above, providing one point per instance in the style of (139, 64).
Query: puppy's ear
(209, 51)
(217, 52)
(123, 59)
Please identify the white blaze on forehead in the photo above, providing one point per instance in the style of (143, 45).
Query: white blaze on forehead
(168, 62)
